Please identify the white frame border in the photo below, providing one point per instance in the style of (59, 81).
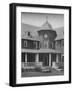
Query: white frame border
(27, 80)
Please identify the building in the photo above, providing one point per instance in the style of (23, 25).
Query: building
(44, 49)
(59, 42)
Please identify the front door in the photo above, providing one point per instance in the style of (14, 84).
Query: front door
(44, 57)
(46, 60)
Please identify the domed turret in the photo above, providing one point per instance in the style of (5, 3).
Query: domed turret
(47, 34)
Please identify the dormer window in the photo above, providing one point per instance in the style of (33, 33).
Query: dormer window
(29, 34)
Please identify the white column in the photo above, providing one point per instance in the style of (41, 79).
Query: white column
(37, 58)
(62, 57)
(25, 57)
(50, 59)
(57, 58)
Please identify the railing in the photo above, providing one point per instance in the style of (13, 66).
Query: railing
(31, 64)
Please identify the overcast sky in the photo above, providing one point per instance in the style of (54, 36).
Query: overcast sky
(38, 19)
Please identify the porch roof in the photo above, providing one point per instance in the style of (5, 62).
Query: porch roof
(41, 51)
(31, 38)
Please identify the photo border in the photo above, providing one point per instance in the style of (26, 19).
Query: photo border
(12, 41)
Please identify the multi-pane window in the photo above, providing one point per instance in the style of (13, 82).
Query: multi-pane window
(62, 43)
(59, 43)
(29, 34)
(25, 43)
(45, 44)
(53, 45)
(34, 44)
(29, 44)
(50, 45)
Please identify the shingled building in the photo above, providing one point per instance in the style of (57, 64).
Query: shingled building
(43, 49)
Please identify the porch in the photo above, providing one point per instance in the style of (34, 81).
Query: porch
(31, 60)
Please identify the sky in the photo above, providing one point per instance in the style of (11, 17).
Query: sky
(38, 19)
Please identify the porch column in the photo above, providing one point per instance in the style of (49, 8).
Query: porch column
(50, 59)
(25, 57)
(37, 57)
(62, 55)
(57, 58)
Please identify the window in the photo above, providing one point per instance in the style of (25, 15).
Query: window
(34, 44)
(53, 45)
(46, 44)
(25, 43)
(28, 33)
(62, 43)
(38, 45)
(58, 43)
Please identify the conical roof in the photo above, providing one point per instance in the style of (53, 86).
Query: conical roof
(46, 25)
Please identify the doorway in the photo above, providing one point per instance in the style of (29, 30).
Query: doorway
(44, 57)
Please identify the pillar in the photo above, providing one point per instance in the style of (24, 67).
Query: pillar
(62, 55)
(25, 57)
(57, 58)
(50, 59)
(37, 57)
